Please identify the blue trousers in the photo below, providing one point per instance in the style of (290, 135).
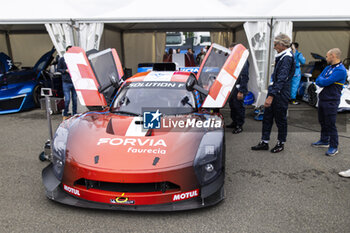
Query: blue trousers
(68, 88)
(327, 116)
(278, 112)
(237, 110)
(295, 84)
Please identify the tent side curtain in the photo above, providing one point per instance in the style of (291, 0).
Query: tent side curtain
(90, 35)
(28, 48)
(149, 47)
(258, 36)
(61, 35)
(222, 38)
(111, 39)
(262, 52)
(321, 42)
(285, 27)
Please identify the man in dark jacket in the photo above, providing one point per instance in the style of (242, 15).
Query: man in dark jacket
(332, 80)
(237, 98)
(189, 58)
(276, 103)
(67, 86)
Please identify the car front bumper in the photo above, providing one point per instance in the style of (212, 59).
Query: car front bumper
(210, 194)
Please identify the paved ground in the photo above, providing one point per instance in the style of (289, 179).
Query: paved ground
(297, 190)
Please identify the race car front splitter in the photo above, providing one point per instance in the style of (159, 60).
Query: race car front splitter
(211, 194)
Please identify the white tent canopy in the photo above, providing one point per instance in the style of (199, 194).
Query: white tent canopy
(157, 11)
(317, 24)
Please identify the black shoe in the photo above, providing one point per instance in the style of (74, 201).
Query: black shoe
(278, 148)
(237, 130)
(261, 146)
(232, 125)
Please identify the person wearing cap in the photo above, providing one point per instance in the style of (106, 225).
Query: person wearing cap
(332, 80)
(67, 86)
(276, 103)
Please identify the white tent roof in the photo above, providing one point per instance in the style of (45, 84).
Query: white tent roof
(136, 11)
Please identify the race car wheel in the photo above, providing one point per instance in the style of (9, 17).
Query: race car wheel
(42, 156)
(346, 62)
(312, 95)
(37, 95)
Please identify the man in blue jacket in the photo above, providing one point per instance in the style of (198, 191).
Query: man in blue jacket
(299, 60)
(67, 86)
(332, 80)
(237, 98)
(276, 103)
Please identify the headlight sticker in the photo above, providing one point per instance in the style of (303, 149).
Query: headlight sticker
(209, 149)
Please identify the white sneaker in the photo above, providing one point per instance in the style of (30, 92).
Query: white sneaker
(345, 173)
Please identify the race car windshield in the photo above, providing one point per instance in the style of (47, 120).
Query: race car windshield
(171, 98)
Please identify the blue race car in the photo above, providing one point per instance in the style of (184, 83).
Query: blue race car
(20, 89)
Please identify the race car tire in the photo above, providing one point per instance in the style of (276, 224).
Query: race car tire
(42, 157)
(312, 95)
(37, 95)
(346, 63)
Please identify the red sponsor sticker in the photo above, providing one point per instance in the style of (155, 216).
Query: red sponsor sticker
(186, 195)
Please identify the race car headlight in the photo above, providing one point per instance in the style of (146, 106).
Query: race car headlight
(59, 151)
(208, 163)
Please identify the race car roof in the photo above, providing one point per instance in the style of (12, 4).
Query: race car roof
(164, 76)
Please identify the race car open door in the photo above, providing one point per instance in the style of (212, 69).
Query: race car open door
(219, 72)
(95, 75)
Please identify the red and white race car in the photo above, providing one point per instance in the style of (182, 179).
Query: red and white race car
(158, 145)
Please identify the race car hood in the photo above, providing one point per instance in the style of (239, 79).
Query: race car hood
(109, 141)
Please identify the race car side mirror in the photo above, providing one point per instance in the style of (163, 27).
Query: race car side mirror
(112, 82)
(191, 81)
(191, 84)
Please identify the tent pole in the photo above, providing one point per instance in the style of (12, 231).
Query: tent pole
(123, 49)
(8, 44)
(154, 47)
(269, 54)
(76, 33)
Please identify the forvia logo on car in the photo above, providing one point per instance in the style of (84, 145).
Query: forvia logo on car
(122, 200)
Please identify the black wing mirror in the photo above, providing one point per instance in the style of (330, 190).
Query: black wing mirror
(113, 81)
(191, 84)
